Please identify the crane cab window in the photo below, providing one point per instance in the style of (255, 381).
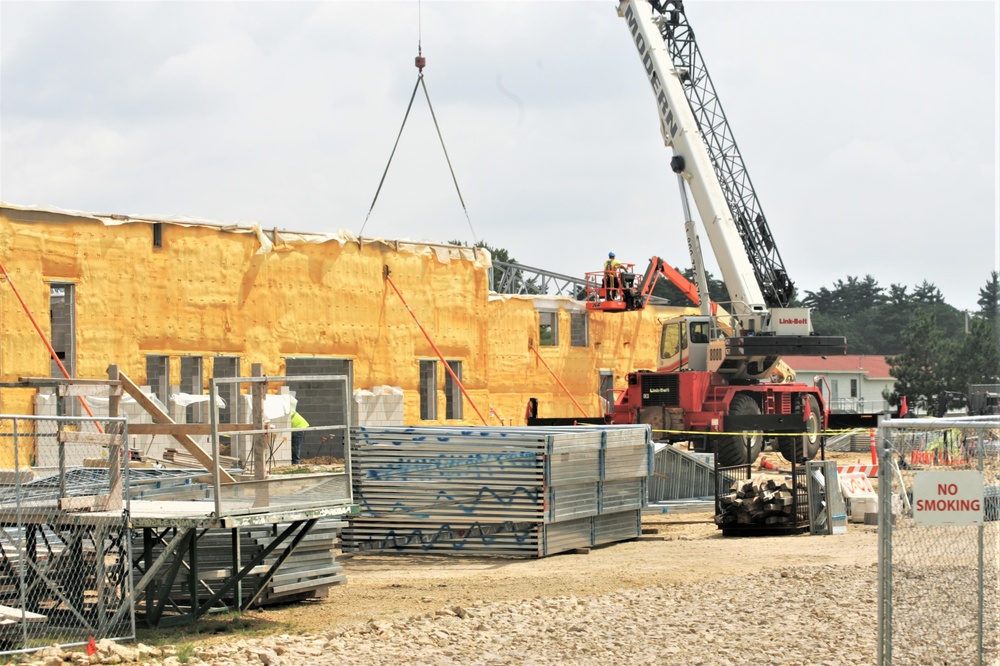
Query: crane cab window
(698, 332)
(673, 340)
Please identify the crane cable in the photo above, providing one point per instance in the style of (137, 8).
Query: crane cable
(421, 62)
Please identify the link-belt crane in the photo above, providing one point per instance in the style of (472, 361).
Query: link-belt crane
(717, 370)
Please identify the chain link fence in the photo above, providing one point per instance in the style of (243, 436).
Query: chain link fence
(65, 550)
(939, 541)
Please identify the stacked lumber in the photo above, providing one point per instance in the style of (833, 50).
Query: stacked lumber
(182, 458)
(759, 501)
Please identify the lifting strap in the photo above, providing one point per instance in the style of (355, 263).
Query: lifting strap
(420, 84)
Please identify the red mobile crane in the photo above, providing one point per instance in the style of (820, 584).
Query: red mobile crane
(715, 372)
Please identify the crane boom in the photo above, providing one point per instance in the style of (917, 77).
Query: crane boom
(725, 154)
(684, 134)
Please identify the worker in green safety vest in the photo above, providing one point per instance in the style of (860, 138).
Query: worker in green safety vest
(298, 436)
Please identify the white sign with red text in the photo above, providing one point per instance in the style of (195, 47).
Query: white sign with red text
(790, 321)
(948, 498)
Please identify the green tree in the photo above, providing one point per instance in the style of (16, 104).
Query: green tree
(979, 359)
(851, 309)
(989, 305)
(925, 367)
(949, 319)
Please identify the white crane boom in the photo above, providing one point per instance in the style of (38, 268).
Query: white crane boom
(681, 133)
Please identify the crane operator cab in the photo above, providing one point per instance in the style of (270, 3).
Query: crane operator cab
(691, 343)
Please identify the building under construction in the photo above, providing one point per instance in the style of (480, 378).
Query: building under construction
(136, 321)
(175, 302)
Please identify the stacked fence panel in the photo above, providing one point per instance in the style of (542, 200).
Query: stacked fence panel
(511, 491)
(680, 475)
(307, 572)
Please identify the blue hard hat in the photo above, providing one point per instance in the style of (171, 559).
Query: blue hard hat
(611, 255)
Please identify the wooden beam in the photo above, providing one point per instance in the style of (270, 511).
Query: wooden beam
(161, 416)
(9, 613)
(89, 389)
(185, 428)
(88, 502)
(53, 381)
(262, 495)
(74, 437)
(116, 450)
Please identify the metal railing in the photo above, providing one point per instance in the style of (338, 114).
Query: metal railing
(258, 488)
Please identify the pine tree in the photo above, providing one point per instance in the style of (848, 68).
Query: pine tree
(921, 369)
(979, 360)
(989, 305)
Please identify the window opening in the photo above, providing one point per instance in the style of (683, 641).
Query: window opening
(452, 392)
(605, 389)
(62, 325)
(548, 329)
(192, 382)
(321, 403)
(578, 329)
(158, 377)
(428, 390)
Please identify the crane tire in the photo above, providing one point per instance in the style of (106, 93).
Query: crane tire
(732, 449)
(805, 447)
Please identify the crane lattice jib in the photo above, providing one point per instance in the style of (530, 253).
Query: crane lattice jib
(725, 155)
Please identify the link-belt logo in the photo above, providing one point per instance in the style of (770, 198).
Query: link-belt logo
(654, 80)
(793, 320)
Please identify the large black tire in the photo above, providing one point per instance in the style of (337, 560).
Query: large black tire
(732, 449)
(801, 449)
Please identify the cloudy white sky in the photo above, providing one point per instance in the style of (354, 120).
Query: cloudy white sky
(869, 128)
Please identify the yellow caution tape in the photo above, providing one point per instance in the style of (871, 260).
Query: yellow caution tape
(759, 432)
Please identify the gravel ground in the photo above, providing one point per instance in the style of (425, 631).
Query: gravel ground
(815, 615)
(686, 595)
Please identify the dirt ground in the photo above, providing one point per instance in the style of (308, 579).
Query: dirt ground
(684, 547)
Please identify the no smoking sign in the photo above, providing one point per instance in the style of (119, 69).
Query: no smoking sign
(948, 498)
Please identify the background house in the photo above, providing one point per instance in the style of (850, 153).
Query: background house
(852, 384)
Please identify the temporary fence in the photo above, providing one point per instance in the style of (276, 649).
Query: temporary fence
(65, 550)
(678, 474)
(503, 491)
(939, 541)
(266, 443)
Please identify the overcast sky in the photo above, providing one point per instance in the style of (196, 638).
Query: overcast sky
(869, 128)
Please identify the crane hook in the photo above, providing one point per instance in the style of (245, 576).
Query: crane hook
(420, 61)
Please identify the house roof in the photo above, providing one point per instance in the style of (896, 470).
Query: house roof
(876, 367)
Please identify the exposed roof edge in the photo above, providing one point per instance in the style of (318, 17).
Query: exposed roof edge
(276, 239)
